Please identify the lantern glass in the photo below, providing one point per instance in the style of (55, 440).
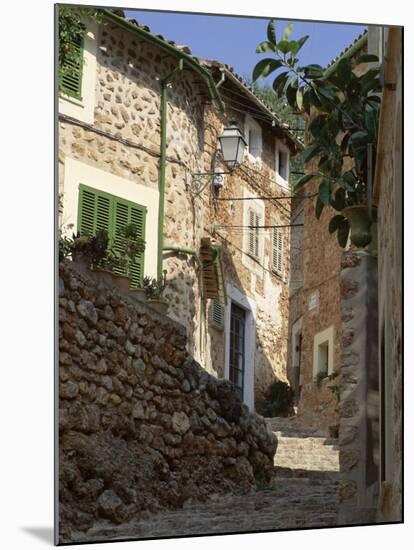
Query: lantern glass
(232, 146)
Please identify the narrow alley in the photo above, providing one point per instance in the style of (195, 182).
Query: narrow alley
(301, 494)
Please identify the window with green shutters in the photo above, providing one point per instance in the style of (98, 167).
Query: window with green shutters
(99, 210)
(70, 71)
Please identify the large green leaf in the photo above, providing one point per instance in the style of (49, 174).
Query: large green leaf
(291, 93)
(343, 232)
(299, 98)
(367, 58)
(360, 136)
(265, 46)
(284, 46)
(279, 82)
(295, 45)
(271, 32)
(335, 222)
(311, 152)
(344, 70)
(312, 70)
(325, 191)
(304, 179)
(265, 67)
(287, 32)
(339, 201)
(318, 208)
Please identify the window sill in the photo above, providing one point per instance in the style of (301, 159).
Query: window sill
(70, 99)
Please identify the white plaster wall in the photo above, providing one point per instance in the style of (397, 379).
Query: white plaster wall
(77, 172)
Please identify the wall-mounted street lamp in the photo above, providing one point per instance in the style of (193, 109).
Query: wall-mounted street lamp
(231, 151)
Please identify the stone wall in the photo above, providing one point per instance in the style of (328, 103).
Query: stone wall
(142, 426)
(388, 195)
(359, 388)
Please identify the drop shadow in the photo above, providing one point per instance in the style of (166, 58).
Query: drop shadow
(44, 534)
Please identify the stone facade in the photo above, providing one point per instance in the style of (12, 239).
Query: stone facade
(124, 142)
(388, 196)
(142, 427)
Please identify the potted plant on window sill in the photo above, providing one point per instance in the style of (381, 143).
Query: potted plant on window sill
(154, 289)
(89, 250)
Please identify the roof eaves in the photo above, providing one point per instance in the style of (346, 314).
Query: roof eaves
(238, 80)
(351, 50)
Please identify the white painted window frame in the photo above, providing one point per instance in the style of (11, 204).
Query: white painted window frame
(250, 125)
(234, 295)
(324, 337)
(281, 147)
(84, 109)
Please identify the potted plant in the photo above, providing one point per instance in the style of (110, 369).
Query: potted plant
(154, 289)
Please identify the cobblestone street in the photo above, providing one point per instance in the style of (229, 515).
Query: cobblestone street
(302, 494)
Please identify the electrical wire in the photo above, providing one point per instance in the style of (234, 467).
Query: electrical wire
(258, 226)
(265, 198)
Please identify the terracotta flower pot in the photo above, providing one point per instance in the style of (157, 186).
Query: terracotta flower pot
(123, 282)
(83, 261)
(139, 294)
(359, 223)
(159, 305)
(104, 277)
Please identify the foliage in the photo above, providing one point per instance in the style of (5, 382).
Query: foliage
(65, 247)
(71, 29)
(93, 246)
(128, 247)
(344, 112)
(154, 288)
(278, 400)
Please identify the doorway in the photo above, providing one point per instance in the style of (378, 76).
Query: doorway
(237, 358)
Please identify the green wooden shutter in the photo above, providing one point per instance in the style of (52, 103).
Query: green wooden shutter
(70, 72)
(95, 211)
(126, 212)
(99, 210)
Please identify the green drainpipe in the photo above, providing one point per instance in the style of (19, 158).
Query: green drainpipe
(163, 155)
(191, 252)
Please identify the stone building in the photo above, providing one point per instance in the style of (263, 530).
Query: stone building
(136, 127)
(388, 188)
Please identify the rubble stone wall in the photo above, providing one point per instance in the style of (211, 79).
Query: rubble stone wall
(142, 426)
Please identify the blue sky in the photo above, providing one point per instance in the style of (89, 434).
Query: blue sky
(233, 40)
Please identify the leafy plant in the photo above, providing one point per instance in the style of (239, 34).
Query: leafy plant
(344, 112)
(65, 247)
(126, 248)
(278, 400)
(321, 375)
(71, 29)
(93, 246)
(154, 288)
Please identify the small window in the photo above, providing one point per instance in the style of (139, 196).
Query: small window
(253, 235)
(277, 252)
(70, 71)
(253, 135)
(323, 359)
(281, 163)
(323, 353)
(216, 314)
